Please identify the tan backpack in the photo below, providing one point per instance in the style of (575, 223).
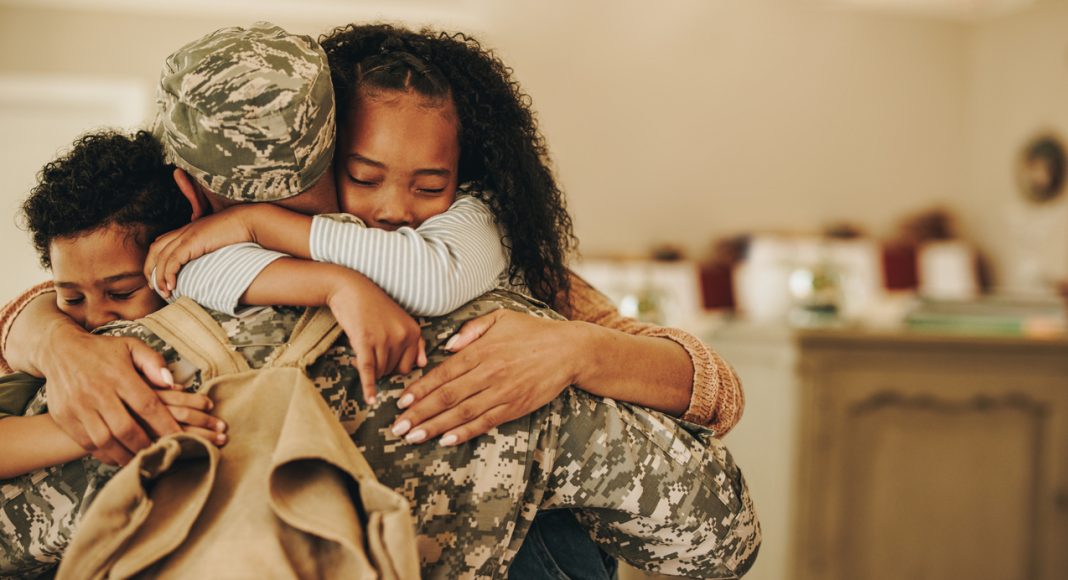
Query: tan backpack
(290, 495)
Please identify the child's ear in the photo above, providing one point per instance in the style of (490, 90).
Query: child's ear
(196, 198)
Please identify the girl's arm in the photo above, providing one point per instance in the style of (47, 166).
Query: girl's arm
(430, 270)
(383, 336)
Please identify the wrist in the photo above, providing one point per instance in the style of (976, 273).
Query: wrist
(57, 332)
(338, 281)
(589, 359)
(246, 217)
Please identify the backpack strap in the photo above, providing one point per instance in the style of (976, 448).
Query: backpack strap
(315, 332)
(187, 327)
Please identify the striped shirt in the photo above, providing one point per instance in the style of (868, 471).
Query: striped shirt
(447, 261)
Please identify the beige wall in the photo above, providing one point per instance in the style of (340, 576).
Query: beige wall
(1017, 86)
(681, 121)
(688, 120)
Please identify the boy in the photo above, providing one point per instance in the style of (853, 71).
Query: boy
(92, 215)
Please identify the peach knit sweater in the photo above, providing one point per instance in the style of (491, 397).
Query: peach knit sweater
(717, 399)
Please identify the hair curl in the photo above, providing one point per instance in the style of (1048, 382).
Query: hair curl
(106, 178)
(501, 149)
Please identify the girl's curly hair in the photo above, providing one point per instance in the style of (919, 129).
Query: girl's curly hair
(501, 149)
(106, 178)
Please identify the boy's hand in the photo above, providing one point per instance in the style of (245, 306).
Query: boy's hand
(192, 411)
(384, 337)
(173, 250)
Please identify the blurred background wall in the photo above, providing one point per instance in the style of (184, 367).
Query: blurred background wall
(670, 122)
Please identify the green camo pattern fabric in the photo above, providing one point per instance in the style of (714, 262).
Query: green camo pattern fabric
(663, 494)
(248, 112)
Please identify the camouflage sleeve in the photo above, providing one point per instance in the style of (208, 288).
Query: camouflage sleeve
(40, 510)
(660, 493)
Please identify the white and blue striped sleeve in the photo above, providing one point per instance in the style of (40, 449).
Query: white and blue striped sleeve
(431, 270)
(218, 279)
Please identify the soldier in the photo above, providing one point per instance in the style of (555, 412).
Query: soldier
(658, 492)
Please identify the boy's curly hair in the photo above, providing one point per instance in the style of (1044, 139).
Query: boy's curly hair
(501, 149)
(106, 178)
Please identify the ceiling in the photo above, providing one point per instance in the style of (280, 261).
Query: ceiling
(470, 12)
(455, 11)
(954, 9)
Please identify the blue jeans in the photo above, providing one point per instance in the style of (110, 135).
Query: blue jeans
(558, 548)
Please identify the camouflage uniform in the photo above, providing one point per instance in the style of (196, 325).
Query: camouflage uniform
(660, 493)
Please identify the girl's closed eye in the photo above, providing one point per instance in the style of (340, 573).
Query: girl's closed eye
(72, 300)
(429, 191)
(364, 182)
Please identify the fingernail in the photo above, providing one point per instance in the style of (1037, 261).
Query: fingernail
(220, 438)
(448, 440)
(211, 404)
(416, 436)
(220, 426)
(371, 399)
(402, 427)
(452, 342)
(405, 401)
(168, 378)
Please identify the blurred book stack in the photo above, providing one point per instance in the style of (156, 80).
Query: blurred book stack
(992, 315)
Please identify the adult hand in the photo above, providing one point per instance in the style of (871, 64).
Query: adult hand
(94, 382)
(507, 365)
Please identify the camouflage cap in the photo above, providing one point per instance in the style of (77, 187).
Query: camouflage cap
(248, 112)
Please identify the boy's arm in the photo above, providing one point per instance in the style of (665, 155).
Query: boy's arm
(219, 279)
(31, 443)
(450, 259)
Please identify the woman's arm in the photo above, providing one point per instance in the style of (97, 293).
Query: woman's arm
(713, 390)
(94, 381)
(500, 373)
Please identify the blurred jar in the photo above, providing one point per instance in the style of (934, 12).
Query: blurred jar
(816, 293)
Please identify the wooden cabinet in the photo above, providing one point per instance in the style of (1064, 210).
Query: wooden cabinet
(931, 457)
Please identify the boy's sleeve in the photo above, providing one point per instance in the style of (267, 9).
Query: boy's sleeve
(218, 279)
(431, 270)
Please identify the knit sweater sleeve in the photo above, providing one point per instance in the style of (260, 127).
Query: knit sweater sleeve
(717, 399)
(11, 311)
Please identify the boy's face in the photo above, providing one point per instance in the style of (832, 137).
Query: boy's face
(399, 159)
(98, 277)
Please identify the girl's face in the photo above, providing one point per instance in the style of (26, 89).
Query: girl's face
(400, 155)
(98, 277)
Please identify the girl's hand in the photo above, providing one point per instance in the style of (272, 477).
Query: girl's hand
(192, 411)
(173, 250)
(383, 336)
(508, 364)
